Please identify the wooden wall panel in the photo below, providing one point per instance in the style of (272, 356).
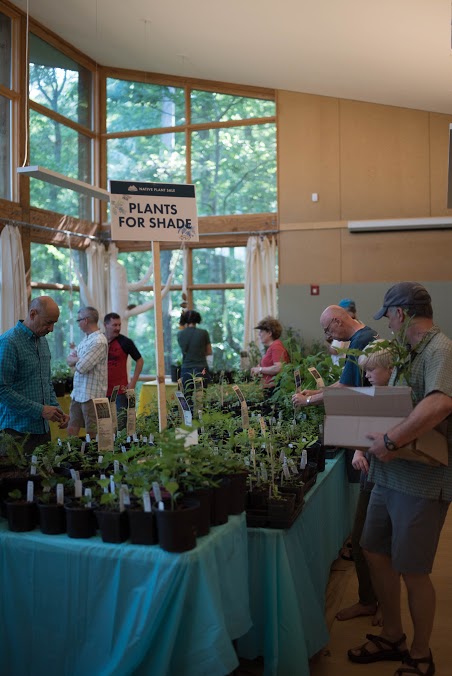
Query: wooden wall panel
(310, 257)
(308, 157)
(385, 161)
(395, 256)
(439, 151)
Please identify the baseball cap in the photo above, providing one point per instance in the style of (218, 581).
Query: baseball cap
(404, 294)
(347, 304)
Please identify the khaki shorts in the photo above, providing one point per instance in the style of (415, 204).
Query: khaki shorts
(83, 415)
(405, 528)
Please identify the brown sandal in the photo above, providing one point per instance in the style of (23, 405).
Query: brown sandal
(387, 650)
(413, 666)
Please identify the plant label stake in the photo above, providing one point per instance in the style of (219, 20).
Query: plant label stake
(88, 496)
(317, 377)
(60, 494)
(30, 491)
(34, 462)
(77, 488)
(156, 491)
(245, 416)
(125, 490)
(147, 502)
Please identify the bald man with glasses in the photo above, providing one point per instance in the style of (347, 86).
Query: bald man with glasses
(337, 323)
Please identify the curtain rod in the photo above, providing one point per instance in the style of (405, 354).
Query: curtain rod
(240, 232)
(11, 221)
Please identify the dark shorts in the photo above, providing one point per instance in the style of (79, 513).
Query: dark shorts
(405, 528)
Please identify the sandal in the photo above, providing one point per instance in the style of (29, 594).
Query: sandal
(414, 663)
(387, 650)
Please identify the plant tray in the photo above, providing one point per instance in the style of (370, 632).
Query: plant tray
(258, 518)
(309, 484)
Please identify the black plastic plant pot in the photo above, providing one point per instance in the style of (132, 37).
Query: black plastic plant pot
(204, 497)
(52, 518)
(22, 516)
(143, 529)
(238, 493)
(177, 528)
(281, 507)
(113, 525)
(80, 520)
(219, 512)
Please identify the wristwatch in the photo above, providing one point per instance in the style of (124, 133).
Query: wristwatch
(308, 400)
(390, 445)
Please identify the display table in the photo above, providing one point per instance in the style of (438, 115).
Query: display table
(85, 607)
(149, 394)
(288, 574)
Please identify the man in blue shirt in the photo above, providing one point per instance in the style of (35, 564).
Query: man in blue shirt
(337, 323)
(27, 397)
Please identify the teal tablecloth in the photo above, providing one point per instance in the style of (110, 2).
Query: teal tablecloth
(288, 574)
(83, 608)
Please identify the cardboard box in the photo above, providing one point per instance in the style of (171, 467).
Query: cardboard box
(351, 413)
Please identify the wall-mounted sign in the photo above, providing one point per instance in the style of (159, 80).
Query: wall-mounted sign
(161, 212)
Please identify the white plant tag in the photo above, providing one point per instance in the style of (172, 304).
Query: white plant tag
(161, 506)
(88, 495)
(60, 443)
(100, 459)
(60, 494)
(123, 449)
(147, 502)
(34, 462)
(116, 467)
(304, 459)
(286, 470)
(264, 473)
(157, 492)
(88, 438)
(83, 448)
(73, 475)
(145, 440)
(112, 485)
(125, 490)
(77, 488)
(30, 491)
(292, 466)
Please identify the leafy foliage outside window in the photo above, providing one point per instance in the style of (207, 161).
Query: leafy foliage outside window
(5, 148)
(158, 158)
(5, 50)
(234, 170)
(50, 264)
(139, 105)
(217, 107)
(64, 87)
(58, 82)
(52, 145)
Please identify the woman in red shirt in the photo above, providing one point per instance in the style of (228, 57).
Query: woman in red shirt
(275, 356)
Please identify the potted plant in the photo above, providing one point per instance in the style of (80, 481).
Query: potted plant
(21, 511)
(60, 372)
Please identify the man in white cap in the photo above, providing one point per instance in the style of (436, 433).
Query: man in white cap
(410, 500)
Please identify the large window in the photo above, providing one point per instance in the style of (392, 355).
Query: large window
(60, 126)
(52, 273)
(5, 107)
(227, 147)
(142, 326)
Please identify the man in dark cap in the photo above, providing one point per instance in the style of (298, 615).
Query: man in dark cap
(410, 499)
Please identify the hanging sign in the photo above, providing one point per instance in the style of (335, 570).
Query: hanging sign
(160, 212)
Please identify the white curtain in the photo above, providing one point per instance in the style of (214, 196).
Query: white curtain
(97, 290)
(13, 287)
(260, 284)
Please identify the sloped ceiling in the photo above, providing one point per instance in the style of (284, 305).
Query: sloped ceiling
(396, 52)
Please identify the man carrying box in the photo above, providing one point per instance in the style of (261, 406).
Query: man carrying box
(410, 500)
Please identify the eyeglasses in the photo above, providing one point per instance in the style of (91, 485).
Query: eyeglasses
(80, 319)
(327, 330)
